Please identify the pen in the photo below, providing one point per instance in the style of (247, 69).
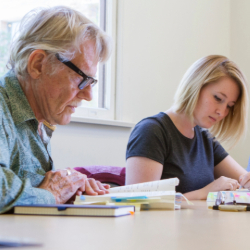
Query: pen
(232, 208)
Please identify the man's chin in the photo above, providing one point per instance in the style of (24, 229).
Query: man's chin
(63, 120)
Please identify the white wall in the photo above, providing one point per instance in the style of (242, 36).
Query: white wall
(80, 144)
(157, 41)
(240, 53)
(160, 40)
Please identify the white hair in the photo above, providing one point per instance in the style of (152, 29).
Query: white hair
(59, 30)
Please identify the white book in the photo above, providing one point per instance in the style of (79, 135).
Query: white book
(164, 189)
(151, 186)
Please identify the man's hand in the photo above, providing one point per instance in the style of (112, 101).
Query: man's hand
(64, 186)
(93, 187)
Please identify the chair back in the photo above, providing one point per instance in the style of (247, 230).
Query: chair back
(105, 174)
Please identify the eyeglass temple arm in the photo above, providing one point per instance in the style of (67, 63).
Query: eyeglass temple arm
(72, 66)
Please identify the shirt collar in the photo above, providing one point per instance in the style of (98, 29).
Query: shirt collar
(21, 110)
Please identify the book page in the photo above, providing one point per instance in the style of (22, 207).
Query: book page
(152, 186)
(107, 197)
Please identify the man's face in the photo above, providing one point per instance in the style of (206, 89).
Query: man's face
(58, 95)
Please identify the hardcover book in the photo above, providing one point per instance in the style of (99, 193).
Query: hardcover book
(75, 210)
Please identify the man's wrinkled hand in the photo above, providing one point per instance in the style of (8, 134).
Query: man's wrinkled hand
(64, 187)
(94, 187)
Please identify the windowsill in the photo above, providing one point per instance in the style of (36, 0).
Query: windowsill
(103, 122)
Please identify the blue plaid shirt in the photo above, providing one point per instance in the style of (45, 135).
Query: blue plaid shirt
(24, 158)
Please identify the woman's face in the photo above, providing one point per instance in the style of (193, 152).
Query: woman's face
(215, 101)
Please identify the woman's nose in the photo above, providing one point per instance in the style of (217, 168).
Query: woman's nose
(222, 111)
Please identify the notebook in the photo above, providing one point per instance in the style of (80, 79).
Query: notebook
(75, 210)
(151, 195)
(240, 196)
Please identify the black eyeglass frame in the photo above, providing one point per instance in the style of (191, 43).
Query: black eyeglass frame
(87, 80)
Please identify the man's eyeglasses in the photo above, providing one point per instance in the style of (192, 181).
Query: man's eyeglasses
(87, 80)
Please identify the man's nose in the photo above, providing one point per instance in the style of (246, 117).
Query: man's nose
(86, 94)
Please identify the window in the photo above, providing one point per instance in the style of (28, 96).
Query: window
(100, 12)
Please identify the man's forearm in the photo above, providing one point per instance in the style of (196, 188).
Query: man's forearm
(14, 191)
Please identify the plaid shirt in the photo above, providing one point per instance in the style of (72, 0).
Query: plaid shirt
(24, 157)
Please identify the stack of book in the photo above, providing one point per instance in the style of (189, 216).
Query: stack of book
(144, 196)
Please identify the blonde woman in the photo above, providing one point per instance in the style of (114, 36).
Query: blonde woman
(176, 143)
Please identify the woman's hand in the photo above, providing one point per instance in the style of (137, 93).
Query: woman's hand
(245, 180)
(221, 184)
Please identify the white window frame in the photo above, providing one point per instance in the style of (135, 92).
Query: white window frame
(83, 114)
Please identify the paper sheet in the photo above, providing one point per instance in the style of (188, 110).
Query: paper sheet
(152, 186)
(107, 197)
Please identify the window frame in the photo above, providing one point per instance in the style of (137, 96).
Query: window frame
(108, 70)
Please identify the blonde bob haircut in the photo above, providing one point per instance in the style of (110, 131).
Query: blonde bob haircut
(205, 71)
(59, 30)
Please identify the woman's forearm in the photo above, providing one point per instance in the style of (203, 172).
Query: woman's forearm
(200, 194)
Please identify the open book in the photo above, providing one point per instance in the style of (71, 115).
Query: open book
(149, 195)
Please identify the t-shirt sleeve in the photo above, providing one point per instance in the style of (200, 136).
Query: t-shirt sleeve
(218, 151)
(148, 140)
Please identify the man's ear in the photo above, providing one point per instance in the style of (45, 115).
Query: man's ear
(35, 63)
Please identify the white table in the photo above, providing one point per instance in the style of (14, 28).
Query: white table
(190, 228)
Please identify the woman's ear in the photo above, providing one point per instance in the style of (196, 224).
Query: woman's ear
(35, 63)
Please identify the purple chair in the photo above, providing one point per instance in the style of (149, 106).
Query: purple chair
(115, 176)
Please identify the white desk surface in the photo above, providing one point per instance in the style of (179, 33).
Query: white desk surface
(192, 227)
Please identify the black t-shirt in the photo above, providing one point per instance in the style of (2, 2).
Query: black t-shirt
(191, 160)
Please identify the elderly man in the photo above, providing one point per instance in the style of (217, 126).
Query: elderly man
(53, 60)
